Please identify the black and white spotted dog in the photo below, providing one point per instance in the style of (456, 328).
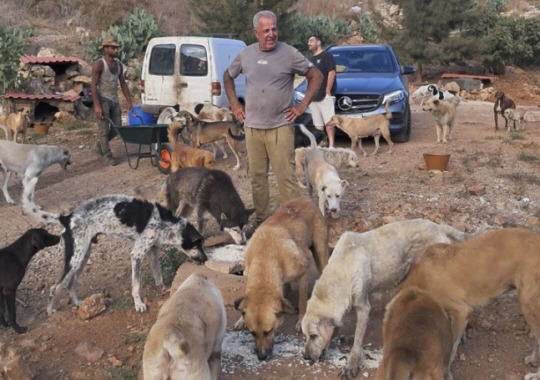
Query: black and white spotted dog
(146, 223)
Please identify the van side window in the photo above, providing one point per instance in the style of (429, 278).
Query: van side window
(193, 60)
(162, 60)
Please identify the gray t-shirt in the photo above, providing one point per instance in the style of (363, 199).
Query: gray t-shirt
(269, 82)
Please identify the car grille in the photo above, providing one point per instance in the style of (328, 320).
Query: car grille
(357, 103)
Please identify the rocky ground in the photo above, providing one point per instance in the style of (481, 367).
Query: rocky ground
(492, 182)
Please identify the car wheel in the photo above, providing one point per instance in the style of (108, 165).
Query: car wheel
(406, 134)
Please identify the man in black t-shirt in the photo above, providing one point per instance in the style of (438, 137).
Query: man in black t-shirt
(322, 105)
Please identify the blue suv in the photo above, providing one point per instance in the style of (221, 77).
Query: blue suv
(367, 77)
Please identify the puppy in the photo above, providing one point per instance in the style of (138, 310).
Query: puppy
(324, 178)
(209, 112)
(466, 275)
(13, 262)
(417, 336)
(185, 342)
(202, 132)
(29, 161)
(337, 157)
(361, 264)
(502, 102)
(184, 155)
(517, 115)
(16, 123)
(444, 113)
(278, 253)
(147, 224)
(369, 126)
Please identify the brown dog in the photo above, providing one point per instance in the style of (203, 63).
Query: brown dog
(417, 336)
(444, 113)
(465, 275)
(278, 253)
(370, 126)
(502, 102)
(202, 132)
(185, 156)
(16, 123)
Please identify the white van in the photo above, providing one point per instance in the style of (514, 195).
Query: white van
(186, 71)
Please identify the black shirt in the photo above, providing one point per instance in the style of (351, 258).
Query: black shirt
(325, 63)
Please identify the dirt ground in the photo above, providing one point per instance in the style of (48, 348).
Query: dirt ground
(384, 188)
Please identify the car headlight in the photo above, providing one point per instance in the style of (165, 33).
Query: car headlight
(394, 97)
(297, 97)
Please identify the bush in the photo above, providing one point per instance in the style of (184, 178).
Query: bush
(302, 27)
(497, 6)
(367, 27)
(11, 48)
(133, 36)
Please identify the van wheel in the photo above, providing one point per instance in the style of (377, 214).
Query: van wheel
(164, 160)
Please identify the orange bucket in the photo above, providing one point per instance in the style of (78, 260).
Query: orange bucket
(436, 161)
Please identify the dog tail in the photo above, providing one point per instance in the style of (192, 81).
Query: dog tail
(456, 235)
(239, 137)
(400, 367)
(305, 131)
(174, 128)
(388, 114)
(175, 346)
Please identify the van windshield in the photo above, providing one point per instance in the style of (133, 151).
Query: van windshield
(193, 60)
(162, 60)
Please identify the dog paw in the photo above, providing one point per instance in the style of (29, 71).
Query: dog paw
(349, 373)
(531, 359)
(140, 307)
(236, 167)
(240, 324)
(531, 376)
(50, 311)
(10, 201)
(20, 329)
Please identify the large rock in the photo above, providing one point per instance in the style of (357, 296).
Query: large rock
(89, 350)
(91, 306)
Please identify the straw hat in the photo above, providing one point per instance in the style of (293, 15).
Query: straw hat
(109, 41)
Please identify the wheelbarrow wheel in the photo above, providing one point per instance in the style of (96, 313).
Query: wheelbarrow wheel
(164, 162)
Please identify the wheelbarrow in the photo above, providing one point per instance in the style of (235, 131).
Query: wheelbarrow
(153, 137)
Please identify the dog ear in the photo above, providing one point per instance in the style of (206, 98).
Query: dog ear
(441, 96)
(239, 304)
(286, 306)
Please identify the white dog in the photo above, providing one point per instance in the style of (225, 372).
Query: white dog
(29, 161)
(363, 263)
(185, 342)
(517, 115)
(337, 157)
(324, 178)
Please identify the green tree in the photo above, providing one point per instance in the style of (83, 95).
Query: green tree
(11, 48)
(432, 31)
(234, 18)
(299, 28)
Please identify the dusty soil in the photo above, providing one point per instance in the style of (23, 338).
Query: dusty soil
(385, 188)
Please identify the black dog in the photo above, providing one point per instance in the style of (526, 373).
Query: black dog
(13, 262)
(502, 102)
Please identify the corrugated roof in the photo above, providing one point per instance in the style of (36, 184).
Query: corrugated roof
(20, 95)
(47, 60)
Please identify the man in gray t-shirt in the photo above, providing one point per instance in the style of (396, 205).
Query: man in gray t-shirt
(269, 67)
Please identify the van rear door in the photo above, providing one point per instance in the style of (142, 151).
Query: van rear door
(224, 52)
(159, 78)
(194, 80)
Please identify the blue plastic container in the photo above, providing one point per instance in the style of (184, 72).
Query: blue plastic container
(141, 118)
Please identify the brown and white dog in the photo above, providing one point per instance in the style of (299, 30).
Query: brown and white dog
(369, 126)
(279, 253)
(444, 113)
(16, 123)
(185, 342)
(185, 156)
(417, 336)
(466, 275)
(502, 102)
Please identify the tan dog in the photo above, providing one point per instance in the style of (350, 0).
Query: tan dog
(185, 156)
(202, 132)
(369, 126)
(16, 124)
(185, 342)
(465, 275)
(337, 157)
(278, 253)
(444, 113)
(417, 336)
(517, 115)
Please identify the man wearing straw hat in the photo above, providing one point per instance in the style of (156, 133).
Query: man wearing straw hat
(106, 73)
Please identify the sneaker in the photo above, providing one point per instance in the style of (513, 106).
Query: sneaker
(96, 148)
(249, 229)
(110, 160)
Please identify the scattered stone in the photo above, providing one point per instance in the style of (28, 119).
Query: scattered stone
(12, 365)
(89, 350)
(462, 357)
(92, 306)
(223, 238)
(477, 189)
(498, 220)
(114, 361)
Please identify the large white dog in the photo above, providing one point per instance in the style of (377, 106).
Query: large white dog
(361, 264)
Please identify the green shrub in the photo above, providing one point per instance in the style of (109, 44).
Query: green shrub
(133, 36)
(11, 48)
(302, 27)
(367, 27)
(496, 5)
